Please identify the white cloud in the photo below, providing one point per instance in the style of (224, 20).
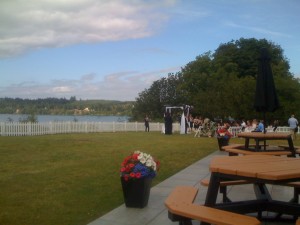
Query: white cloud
(34, 24)
(62, 89)
(118, 86)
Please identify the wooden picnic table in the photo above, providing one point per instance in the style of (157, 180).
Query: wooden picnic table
(260, 170)
(260, 136)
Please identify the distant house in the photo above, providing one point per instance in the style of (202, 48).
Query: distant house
(80, 112)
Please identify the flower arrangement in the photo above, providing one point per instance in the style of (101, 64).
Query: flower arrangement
(223, 136)
(223, 132)
(138, 165)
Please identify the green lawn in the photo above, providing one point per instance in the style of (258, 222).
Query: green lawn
(73, 179)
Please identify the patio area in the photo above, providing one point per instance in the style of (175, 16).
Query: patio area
(156, 213)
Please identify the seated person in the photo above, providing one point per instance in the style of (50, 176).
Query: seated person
(249, 126)
(196, 123)
(224, 132)
(260, 127)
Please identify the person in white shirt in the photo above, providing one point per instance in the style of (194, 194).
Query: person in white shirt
(243, 125)
(293, 123)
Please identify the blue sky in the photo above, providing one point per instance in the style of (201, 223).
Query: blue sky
(114, 49)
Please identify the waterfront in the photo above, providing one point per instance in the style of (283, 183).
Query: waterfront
(62, 118)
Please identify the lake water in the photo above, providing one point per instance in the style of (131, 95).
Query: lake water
(60, 118)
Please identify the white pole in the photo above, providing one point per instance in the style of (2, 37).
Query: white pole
(182, 124)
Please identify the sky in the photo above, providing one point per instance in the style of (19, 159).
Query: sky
(115, 49)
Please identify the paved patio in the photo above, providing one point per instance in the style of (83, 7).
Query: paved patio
(156, 214)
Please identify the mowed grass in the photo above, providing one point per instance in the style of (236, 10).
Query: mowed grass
(73, 179)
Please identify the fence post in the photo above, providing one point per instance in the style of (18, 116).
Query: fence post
(2, 129)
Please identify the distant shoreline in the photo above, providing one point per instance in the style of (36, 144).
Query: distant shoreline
(57, 118)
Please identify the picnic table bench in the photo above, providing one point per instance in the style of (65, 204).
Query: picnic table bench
(181, 207)
(235, 151)
(240, 146)
(260, 136)
(286, 147)
(224, 184)
(231, 146)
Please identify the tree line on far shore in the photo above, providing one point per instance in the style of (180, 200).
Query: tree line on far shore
(63, 106)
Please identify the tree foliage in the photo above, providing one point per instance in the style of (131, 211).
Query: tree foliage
(222, 84)
(162, 92)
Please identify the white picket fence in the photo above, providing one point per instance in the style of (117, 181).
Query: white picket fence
(235, 130)
(44, 128)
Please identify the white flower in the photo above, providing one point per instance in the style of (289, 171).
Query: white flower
(142, 160)
(146, 159)
(148, 163)
(154, 166)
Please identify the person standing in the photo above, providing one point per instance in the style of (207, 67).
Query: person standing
(275, 125)
(146, 119)
(293, 124)
(168, 123)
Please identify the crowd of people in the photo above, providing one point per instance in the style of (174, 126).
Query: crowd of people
(247, 126)
(253, 125)
(192, 124)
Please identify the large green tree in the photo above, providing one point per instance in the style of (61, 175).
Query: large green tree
(222, 84)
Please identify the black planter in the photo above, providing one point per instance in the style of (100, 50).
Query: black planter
(222, 142)
(136, 192)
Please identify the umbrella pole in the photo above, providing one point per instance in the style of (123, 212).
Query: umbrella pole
(264, 130)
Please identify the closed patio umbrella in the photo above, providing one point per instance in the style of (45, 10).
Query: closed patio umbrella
(266, 99)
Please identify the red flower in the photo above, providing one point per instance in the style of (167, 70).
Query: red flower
(126, 177)
(135, 156)
(132, 175)
(157, 165)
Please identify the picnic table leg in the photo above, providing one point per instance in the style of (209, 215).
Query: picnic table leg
(257, 145)
(262, 193)
(296, 194)
(295, 199)
(291, 146)
(246, 143)
(212, 192)
(187, 222)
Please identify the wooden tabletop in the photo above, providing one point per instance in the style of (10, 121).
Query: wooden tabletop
(266, 167)
(261, 135)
